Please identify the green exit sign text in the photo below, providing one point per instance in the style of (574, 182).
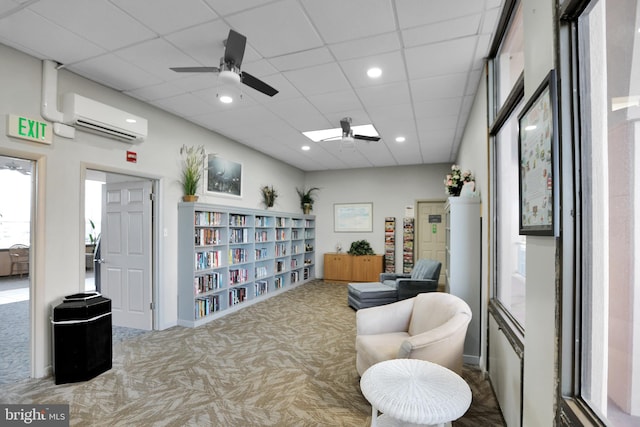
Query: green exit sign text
(29, 129)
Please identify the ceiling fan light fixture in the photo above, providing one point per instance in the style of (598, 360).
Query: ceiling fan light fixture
(229, 77)
(226, 99)
(305, 148)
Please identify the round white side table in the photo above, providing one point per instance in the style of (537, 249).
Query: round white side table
(414, 392)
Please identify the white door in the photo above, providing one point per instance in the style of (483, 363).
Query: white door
(431, 242)
(125, 271)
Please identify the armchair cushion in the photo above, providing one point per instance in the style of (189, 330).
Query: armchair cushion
(431, 326)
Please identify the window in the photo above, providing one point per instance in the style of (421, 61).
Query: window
(510, 248)
(601, 357)
(15, 201)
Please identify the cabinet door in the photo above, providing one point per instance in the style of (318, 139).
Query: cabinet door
(367, 268)
(337, 267)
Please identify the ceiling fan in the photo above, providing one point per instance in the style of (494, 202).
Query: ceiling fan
(348, 137)
(229, 70)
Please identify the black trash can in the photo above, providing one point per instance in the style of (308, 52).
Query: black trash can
(82, 342)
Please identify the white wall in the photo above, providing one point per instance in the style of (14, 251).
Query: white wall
(58, 249)
(390, 190)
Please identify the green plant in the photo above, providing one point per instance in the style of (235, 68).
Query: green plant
(93, 237)
(192, 162)
(360, 247)
(306, 197)
(269, 195)
(456, 179)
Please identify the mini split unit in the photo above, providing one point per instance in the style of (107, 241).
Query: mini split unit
(102, 119)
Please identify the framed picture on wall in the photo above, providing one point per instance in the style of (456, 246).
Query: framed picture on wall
(223, 177)
(352, 217)
(537, 146)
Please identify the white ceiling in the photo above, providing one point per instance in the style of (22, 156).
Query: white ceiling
(315, 52)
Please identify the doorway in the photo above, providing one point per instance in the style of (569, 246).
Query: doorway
(17, 188)
(119, 250)
(431, 234)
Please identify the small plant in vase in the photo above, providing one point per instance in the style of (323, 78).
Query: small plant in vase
(454, 181)
(269, 195)
(192, 165)
(306, 199)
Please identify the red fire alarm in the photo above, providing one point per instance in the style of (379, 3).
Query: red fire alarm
(132, 156)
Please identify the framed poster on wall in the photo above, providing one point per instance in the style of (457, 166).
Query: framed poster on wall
(352, 217)
(537, 144)
(223, 177)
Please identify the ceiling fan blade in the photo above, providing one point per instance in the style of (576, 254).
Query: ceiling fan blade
(234, 50)
(367, 138)
(346, 126)
(195, 69)
(257, 84)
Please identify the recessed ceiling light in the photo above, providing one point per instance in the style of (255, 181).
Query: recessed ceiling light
(306, 148)
(400, 139)
(374, 72)
(130, 120)
(225, 99)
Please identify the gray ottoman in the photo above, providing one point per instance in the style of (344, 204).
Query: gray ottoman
(370, 294)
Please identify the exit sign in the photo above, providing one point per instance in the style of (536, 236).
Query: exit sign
(29, 129)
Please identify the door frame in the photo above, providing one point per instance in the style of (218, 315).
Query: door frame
(156, 226)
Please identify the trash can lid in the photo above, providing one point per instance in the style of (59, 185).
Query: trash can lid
(82, 296)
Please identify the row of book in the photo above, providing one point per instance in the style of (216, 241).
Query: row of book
(208, 236)
(281, 249)
(260, 287)
(206, 305)
(262, 221)
(207, 283)
(262, 236)
(237, 295)
(238, 255)
(239, 275)
(261, 271)
(261, 253)
(237, 220)
(208, 218)
(238, 235)
(209, 259)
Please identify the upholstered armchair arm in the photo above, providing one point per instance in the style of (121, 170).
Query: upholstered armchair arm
(442, 345)
(392, 276)
(383, 319)
(409, 288)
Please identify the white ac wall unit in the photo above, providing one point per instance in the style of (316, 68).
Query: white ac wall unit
(102, 119)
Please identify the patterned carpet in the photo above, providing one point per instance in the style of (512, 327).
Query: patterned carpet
(287, 361)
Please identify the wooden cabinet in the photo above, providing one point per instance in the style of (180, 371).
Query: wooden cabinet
(349, 268)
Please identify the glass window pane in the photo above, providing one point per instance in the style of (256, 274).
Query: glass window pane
(511, 247)
(510, 58)
(609, 44)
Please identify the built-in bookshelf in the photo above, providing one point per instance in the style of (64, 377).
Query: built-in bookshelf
(229, 258)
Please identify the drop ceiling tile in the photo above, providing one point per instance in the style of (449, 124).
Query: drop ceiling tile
(366, 47)
(339, 20)
(155, 91)
(406, 153)
(261, 68)
(436, 59)
(7, 5)
(390, 113)
(482, 51)
(184, 105)
(490, 21)
(156, 57)
(300, 114)
(319, 79)
(226, 7)
(212, 97)
(276, 29)
(285, 89)
(114, 72)
(336, 101)
(440, 31)
(440, 108)
(391, 64)
(433, 88)
(167, 16)
(474, 80)
(413, 13)
(95, 20)
(389, 94)
(307, 58)
(430, 124)
(48, 39)
(204, 42)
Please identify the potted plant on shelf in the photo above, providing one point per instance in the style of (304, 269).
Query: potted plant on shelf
(192, 164)
(269, 195)
(456, 179)
(306, 199)
(360, 247)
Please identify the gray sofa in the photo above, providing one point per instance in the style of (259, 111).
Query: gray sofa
(395, 287)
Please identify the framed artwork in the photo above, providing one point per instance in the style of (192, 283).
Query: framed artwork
(223, 177)
(352, 217)
(537, 145)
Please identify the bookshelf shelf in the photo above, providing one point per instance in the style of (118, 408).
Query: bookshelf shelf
(229, 258)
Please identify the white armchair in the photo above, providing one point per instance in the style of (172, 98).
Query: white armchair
(430, 326)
